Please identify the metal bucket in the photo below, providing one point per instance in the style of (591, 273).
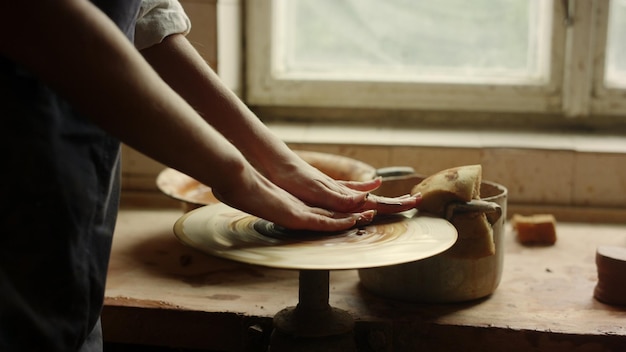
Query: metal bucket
(441, 278)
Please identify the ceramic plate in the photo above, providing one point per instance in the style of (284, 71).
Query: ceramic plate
(222, 231)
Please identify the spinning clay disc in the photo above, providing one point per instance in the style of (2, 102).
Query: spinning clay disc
(222, 231)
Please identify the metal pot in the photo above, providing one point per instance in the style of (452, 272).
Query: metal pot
(441, 278)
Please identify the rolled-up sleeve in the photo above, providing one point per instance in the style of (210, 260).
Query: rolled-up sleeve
(158, 19)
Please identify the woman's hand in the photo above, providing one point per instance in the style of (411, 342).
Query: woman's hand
(315, 188)
(251, 192)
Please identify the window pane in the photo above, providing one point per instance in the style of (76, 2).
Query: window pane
(615, 72)
(462, 41)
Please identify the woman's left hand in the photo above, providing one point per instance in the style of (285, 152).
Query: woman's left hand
(317, 189)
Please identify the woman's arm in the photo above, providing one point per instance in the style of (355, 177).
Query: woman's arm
(183, 68)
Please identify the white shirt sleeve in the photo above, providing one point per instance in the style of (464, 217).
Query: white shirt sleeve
(158, 19)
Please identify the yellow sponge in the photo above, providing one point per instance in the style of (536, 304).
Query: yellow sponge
(539, 229)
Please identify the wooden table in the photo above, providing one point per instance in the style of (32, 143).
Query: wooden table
(162, 293)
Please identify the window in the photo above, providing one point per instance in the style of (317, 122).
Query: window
(412, 41)
(615, 75)
(532, 56)
(609, 77)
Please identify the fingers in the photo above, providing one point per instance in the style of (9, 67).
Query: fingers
(322, 220)
(387, 205)
(319, 219)
(364, 186)
(351, 201)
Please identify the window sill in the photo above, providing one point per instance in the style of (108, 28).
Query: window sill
(581, 172)
(349, 134)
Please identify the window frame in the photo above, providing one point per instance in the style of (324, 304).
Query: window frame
(575, 88)
(603, 100)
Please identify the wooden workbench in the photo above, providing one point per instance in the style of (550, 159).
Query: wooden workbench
(162, 293)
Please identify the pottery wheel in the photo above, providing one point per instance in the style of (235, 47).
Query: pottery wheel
(222, 231)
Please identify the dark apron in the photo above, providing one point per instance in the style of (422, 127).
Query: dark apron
(59, 190)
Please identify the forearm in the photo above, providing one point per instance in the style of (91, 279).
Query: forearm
(183, 69)
(79, 52)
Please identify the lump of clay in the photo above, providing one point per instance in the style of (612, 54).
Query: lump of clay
(459, 184)
(538, 229)
(611, 264)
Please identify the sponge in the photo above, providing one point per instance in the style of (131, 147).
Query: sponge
(539, 229)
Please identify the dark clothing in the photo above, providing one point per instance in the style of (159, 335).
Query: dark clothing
(59, 192)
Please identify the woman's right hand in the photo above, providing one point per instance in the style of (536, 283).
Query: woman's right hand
(256, 195)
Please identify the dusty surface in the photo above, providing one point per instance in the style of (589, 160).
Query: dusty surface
(160, 291)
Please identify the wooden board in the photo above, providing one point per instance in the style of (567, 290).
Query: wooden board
(161, 292)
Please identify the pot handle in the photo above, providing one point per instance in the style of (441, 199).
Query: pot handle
(394, 171)
(492, 210)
